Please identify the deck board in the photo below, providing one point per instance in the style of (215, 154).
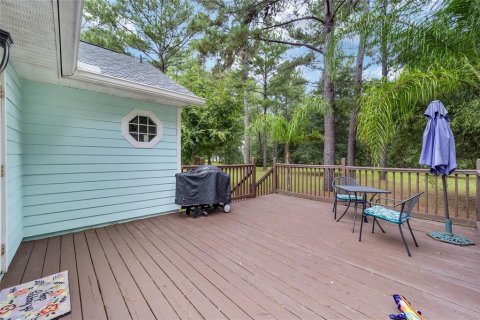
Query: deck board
(68, 262)
(90, 296)
(273, 257)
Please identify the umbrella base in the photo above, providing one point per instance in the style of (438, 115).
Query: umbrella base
(451, 238)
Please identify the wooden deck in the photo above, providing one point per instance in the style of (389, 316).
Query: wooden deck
(273, 257)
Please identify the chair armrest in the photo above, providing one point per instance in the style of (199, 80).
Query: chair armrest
(396, 202)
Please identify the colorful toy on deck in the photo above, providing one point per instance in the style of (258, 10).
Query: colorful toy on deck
(408, 313)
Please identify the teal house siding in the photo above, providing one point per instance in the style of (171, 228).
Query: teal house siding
(14, 161)
(78, 171)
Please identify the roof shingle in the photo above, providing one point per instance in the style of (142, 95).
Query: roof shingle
(126, 67)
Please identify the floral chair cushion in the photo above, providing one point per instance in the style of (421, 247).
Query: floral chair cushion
(347, 197)
(387, 214)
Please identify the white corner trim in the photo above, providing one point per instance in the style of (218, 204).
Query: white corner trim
(182, 98)
(139, 144)
(3, 180)
(179, 139)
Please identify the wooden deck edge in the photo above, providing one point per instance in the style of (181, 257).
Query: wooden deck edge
(96, 226)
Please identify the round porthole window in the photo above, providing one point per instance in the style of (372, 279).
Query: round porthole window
(142, 128)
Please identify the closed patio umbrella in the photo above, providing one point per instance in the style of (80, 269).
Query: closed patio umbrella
(438, 152)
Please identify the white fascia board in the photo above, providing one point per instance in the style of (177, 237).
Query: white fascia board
(69, 22)
(109, 81)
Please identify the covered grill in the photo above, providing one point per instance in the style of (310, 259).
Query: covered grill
(203, 188)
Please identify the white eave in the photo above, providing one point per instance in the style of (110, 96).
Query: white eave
(173, 98)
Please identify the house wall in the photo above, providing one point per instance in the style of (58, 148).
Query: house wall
(78, 170)
(14, 168)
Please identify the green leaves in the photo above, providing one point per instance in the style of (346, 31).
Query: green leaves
(440, 57)
(216, 128)
(161, 30)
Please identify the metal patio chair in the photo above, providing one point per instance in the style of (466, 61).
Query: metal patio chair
(342, 195)
(399, 212)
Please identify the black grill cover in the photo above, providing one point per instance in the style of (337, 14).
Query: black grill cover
(203, 185)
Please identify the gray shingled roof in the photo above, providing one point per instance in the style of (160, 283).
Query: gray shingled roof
(126, 67)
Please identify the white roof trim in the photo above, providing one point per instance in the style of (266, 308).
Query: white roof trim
(70, 19)
(109, 81)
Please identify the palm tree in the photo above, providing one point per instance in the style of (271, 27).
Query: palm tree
(440, 55)
(287, 132)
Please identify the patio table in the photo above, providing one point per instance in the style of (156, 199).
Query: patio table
(363, 190)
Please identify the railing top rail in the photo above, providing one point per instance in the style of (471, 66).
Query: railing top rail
(220, 166)
(334, 166)
(411, 170)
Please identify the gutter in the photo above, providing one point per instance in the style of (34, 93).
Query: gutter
(69, 24)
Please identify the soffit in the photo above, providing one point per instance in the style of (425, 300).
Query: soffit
(33, 29)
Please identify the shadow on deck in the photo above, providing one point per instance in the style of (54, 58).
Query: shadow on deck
(273, 257)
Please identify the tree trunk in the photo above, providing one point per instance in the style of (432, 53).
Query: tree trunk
(384, 61)
(265, 96)
(286, 155)
(352, 129)
(246, 107)
(265, 160)
(329, 96)
(275, 149)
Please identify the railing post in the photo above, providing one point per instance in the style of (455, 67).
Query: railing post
(343, 167)
(477, 201)
(254, 177)
(274, 175)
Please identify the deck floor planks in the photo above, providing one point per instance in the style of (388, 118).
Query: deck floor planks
(19, 264)
(396, 265)
(248, 305)
(207, 309)
(317, 301)
(153, 296)
(91, 299)
(217, 297)
(285, 257)
(343, 255)
(351, 251)
(183, 307)
(68, 262)
(274, 257)
(211, 258)
(336, 283)
(134, 299)
(35, 262)
(112, 296)
(52, 257)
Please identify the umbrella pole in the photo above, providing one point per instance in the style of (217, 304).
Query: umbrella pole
(448, 235)
(448, 222)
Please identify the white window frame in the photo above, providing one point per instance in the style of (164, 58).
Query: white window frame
(126, 129)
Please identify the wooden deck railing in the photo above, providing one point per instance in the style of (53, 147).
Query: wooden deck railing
(265, 185)
(463, 187)
(242, 179)
(308, 181)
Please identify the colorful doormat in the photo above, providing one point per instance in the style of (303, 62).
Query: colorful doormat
(46, 298)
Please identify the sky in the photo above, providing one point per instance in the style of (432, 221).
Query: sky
(349, 46)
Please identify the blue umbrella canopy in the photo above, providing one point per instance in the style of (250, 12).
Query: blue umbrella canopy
(438, 149)
(438, 152)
